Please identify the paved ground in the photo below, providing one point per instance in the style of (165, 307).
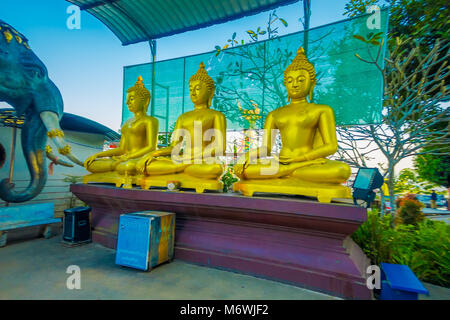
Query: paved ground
(437, 214)
(36, 269)
(435, 211)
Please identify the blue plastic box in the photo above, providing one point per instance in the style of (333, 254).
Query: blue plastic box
(145, 239)
(398, 282)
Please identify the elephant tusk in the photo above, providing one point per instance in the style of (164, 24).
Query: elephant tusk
(66, 151)
(55, 159)
(54, 132)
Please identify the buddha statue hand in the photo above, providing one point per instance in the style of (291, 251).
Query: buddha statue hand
(142, 164)
(118, 160)
(121, 158)
(301, 161)
(241, 165)
(89, 161)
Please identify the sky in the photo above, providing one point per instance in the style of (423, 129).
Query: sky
(87, 64)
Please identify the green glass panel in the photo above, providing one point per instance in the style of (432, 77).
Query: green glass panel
(249, 79)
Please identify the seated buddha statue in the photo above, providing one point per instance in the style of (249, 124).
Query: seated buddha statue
(202, 133)
(138, 138)
(308, 136)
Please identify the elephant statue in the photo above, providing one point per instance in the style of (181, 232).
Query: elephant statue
(25, 85)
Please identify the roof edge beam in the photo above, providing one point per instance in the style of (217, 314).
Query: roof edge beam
(97, 4)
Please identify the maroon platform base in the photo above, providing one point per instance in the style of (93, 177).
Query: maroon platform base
(300, 242)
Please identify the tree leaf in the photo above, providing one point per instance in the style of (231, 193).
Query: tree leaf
(361, 38)
(283, 22)
(234, 36)
(226, 46)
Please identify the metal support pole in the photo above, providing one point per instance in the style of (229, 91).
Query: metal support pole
(184, 84)
(152, 44)
(167, 116)
(307, 16)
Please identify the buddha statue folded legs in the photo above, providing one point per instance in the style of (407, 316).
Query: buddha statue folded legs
(139, 137)
(308, 136)
(202, 133)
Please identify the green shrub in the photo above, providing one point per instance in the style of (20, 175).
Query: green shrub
(409, 210)
(429, 255)
(375, 237)
(423, 247)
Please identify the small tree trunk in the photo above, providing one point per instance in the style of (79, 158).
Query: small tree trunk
(391, 184)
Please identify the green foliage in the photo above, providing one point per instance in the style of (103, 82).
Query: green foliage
(375, 237)
(269, 32)
(372, 38)
(429, 257)
(409, 210)
(409, 181)
(72, 179)
(425, 248)
(358, 7)
(424, 19)
(228, 178)
(408, 17)
(245, 64)
(164, 138)
(434, 167)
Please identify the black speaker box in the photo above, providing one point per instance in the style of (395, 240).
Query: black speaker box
(77, 226)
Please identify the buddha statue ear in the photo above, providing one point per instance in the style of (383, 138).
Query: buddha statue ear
(210, 98)
(288, 98)
(311, 90)
(147, 103)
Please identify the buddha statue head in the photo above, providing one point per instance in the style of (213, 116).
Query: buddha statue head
(201, 87)
(138, 97)
(300, 77)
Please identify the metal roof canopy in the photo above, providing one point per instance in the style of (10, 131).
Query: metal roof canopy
(134, 21)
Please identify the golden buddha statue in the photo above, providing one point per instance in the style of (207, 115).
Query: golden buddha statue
(308, 135)
(138, 137)
(202, 133)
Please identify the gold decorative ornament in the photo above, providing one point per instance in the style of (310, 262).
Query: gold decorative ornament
(55, 133)
(8, 36)
(64, 151)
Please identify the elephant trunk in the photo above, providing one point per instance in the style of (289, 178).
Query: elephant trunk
(33, 144)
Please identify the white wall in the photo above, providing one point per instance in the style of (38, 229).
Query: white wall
(56, 190)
